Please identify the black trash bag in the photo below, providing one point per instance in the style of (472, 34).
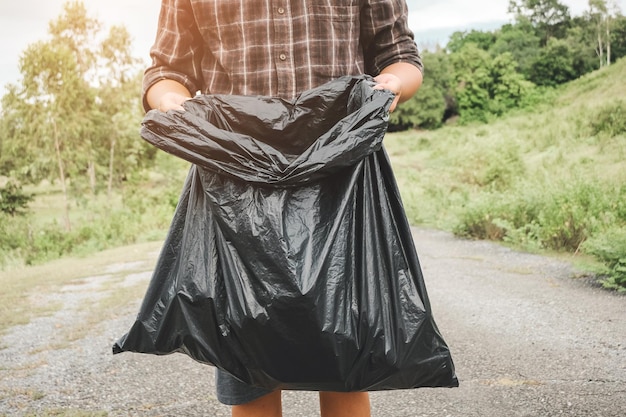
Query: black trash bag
(289, 262)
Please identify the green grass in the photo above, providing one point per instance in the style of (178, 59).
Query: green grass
(458, 164)
(138, 211)
(21, 285)
(47, 207)
(550, 178)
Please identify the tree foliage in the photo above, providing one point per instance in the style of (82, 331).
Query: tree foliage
(13, 199)
(73, 116)
(550, 18)
(521, 42)
(618, 36)
(483, 40)
(555, 64)
(486, 86)
(479, 75)
(435, 100)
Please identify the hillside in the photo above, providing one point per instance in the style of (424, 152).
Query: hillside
(551, 176)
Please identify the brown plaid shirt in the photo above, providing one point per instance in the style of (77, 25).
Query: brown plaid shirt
(276, 47)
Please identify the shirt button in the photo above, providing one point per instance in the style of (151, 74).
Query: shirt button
(281, 10)
(282, 57)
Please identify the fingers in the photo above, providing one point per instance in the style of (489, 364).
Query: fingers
(172, 101)
(391, 83)
(165, 108)
(389, 87)
(394, 103)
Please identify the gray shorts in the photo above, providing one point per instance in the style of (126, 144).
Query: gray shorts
(231, 391)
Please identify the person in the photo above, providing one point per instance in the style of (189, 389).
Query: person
(279, 48)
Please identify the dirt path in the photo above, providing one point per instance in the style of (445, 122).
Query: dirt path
(527, 339)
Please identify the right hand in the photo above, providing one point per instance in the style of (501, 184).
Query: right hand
(172, 101)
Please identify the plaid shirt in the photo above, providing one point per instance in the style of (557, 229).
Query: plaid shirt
(276, 48)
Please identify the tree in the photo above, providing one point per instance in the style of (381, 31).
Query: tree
(555, 64)
(486, 86)
(434, 101)
(601, 15)
(483, 40)
(119, 105)
(66, 114)
(548, 17)
(426, 110)
(439, 72)
(508, 87)
(13, 200)
(50, 110)
(598, 14)
(521, 42)
(618, 37)
(472, 78)
(581, 47)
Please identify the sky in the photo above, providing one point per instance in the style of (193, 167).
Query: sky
(23, 22)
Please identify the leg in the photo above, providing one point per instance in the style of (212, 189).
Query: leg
(269, 405)
(345, 404)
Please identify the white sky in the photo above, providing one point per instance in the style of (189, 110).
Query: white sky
(25, 21)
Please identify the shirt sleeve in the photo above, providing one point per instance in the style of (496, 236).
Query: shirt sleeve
(177, 51)
(385, 35)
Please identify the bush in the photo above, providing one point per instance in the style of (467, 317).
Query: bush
(558, 217)
(13, 200)
(496, 166)
(610, 248)
(503, 168)
(47, 243)
(497, 216)
(13, 233)
(610, 119)
(425, 110)
(145, 218)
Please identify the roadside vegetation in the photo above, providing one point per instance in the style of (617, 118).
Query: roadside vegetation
(551, 178)
(518, 135)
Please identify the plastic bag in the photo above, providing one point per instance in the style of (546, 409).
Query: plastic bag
(289, 262)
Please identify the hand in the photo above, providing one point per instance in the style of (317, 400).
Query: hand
(172, 101)
(391, 82)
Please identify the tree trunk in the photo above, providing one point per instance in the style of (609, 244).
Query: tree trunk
(600, 50)
(66, 200)
(111, 156)
(599, 40)
(608, 40)
(91, 170)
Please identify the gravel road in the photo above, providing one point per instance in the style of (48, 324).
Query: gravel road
(527, 337)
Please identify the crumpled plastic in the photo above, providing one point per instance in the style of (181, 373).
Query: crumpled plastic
(290, 262)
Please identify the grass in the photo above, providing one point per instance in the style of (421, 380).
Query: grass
(544, 179)
(16, 298)
(455, 164)
(47, 207)
(139, 211)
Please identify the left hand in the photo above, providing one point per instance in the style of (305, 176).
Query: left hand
(391, 82)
